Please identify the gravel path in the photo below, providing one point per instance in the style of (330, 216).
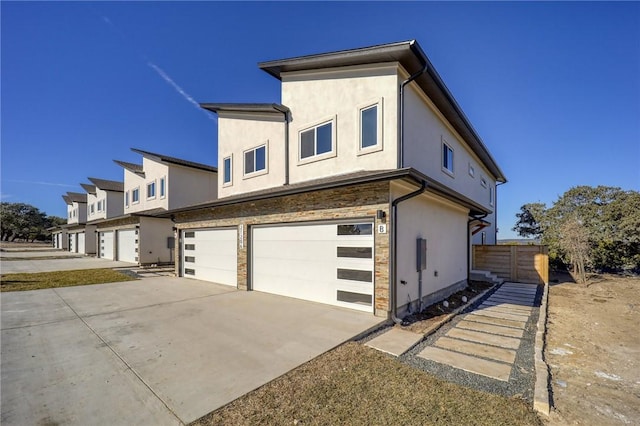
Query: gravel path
(522, 378)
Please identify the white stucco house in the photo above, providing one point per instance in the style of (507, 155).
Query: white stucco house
(79, 236)
(160, 183)
(363, 188)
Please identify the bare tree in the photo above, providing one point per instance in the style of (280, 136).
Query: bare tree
(574, 240)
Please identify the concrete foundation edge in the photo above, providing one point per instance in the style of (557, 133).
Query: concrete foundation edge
(541, 400)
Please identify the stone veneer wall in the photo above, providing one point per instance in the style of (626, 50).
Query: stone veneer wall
(353, 202)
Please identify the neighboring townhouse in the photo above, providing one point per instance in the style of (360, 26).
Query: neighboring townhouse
(59, 237)
(158, 184)
(81, 237)
(362, 189)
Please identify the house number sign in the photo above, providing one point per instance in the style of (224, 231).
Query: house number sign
(382, 228)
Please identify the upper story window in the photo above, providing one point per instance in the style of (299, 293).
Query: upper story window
(447, 158)
(491, 196)
(227, 168)
(255, 160)
(135, 196)
(317, 140)
(163, 184)
(472, 171)
(92, 208)
(370, 122)
(151, 190)
(100, 205)
(126, 199)
(483, 182)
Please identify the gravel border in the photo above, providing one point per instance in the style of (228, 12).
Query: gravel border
(541, 394)
(523, 374)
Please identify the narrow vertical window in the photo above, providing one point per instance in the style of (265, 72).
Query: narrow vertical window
(162, 187)
(447, 158)
(491, 196)
(369, 127)
(227, 170)
(126, 199)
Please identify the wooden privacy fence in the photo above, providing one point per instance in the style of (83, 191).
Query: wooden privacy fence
(525, 264)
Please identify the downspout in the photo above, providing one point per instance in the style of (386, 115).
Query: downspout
(393, 287)
(495, 207)
(477, 217)
(286, 146)
(401, 111)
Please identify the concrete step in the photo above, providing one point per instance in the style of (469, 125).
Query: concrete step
(485, 276)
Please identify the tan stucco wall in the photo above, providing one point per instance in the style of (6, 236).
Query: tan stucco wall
(241, 132)
(187, 186)
(314, 97)
(444, 225)
(425, 130)
(153, 248)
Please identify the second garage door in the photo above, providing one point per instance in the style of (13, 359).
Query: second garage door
(211, 255)
(81, 243)
(128, 245)
(106, 245)
(329, 263)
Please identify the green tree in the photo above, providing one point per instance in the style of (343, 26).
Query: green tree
(530, 220)
(23, 221)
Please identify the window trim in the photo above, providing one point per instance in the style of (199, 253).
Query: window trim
(266, 161)
(445, 169)
(334, 142)
(153, 185)
(378, 103)
(133, 191)
(230, 158)
(126, 199)
(163, 187)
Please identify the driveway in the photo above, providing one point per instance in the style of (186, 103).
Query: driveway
(155, 351)
(38, 262)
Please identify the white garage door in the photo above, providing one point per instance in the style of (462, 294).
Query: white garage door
(72, 243)
(81, 244)
(106, 245)
(329, 263)
(211, 255)
(128, 245)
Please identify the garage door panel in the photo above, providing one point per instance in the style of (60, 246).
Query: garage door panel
(81, 243)
(106, 245)
(127, 245)
(318, 262)
(211, 255)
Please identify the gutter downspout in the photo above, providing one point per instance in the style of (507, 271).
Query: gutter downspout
(401, 112)
(286, 147)
(393, 287)
(495, 207)
(477, 217)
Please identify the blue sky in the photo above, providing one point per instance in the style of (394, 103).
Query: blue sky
(552, 88)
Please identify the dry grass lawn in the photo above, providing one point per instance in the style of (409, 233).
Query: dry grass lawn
(40, 280)
(357, 385)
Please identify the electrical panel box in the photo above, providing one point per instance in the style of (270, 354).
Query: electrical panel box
(171, 242)
(421, 254)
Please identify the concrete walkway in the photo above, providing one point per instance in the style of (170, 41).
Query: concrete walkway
(157, 351)
(485, 340)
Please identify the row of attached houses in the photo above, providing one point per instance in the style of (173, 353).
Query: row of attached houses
(364, 188)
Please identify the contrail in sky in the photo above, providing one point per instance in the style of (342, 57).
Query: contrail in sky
(162, 73)
(177, 88)
(41, 183)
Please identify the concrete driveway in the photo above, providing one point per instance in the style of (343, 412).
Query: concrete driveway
(155, 351)
(35, 262)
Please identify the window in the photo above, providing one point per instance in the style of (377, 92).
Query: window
(357, 229)
(490, 196)
(135, 196)
(99, 206)
(163, 182)
(316, 141)
(226, 167)
(447, 158)
(126, 199)
(472, 171)
(151, 190)
(255, 160)
(93, 210)
(483, 182)
(369, 127)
